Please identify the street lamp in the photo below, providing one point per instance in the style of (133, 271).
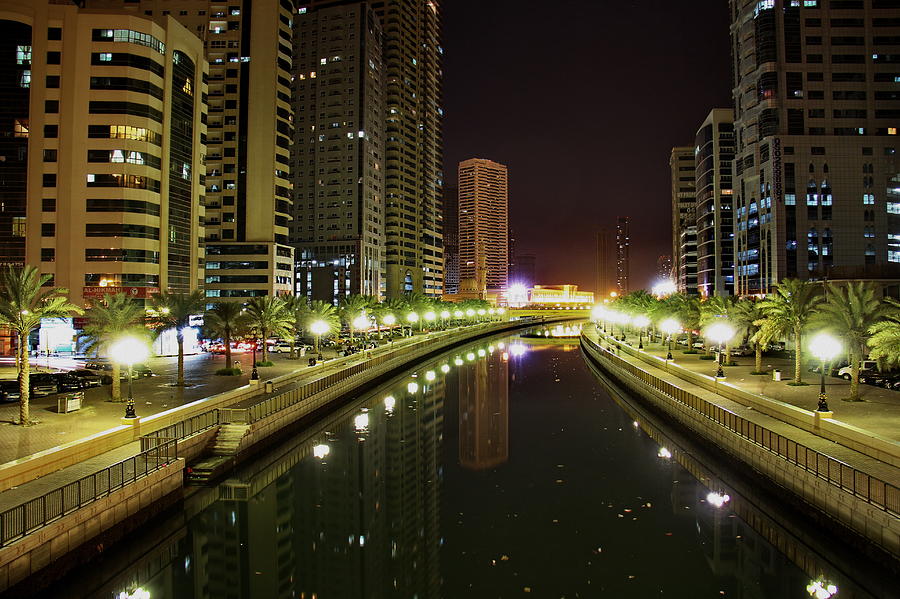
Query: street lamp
(361, 323)
(641, 322)
(445, 314)
(412, 318)
(669, 326)
(319, 328)
(390, 320)
(720, 333)
(129, 351)
(254, 373)
(429, 317)
(826, 348)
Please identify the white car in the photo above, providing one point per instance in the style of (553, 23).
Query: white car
(282, 347)
(846, 372)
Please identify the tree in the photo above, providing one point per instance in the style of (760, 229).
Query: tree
(298, 307)
(173, 310)
(24, 301)
(352, 307)
(268, 316)
(788, 311)
(686, 309)
(885, 339)
(745, 316)
(849, 311)
(327, 313)
(108, 320)
(225, 321)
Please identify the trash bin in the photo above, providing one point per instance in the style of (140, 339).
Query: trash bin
(776, 375)
(270, 386)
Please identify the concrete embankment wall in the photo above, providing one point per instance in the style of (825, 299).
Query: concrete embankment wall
(845, 493)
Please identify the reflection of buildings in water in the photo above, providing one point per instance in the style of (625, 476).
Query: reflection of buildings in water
(362, 521)
(484, 414)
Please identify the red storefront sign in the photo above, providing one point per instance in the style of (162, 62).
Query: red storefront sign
(136, 292)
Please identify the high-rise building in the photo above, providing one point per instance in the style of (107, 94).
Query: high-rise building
(816, 118)
(684, 219)
(414, 145)
(623, 241)
(607, 256)
(103, 159)
(664, 267)
(483, 224)
(451, 239)
(338, 157)
(714, 147)
(250, 131)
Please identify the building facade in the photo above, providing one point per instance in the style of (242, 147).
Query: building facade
(684, 219)
(250, 131)
(451, 239)
(607, 256)
(623, 243)
(714, 154)
(338, 156)
(816, 119)
(483, 221)
(107, 191)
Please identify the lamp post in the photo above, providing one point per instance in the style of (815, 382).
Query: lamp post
(429, 317)
(669, 326)
(412, 318)
(361, 323)
(458, 314)
(319, 328)
(825, 348)
(390, 320)
(445, 314)
(720, 333)
(641, 322)
(129, 351)
(254, 373)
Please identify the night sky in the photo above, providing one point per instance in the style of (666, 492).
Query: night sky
(582, 100)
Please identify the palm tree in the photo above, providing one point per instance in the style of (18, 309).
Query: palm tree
(297, 306)
(745, 315)
(686, 308)
(174, 310)
(267, 315)
(24, 301)
(327, 313)
(351, 307)
(225, 321)
(885, 339)
(788, 311)
(108, 320)
(849, 312)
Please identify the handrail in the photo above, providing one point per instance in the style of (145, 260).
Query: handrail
(32, 515)
(871, 489)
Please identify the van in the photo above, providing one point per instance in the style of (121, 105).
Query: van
(866, 366)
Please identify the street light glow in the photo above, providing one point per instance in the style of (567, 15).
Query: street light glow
(129, 351)
(412, 317)
(670, 326)
(445, 313)
(389, 319)
(458, 314)
(825, 347)
(430, 316)
(321, 450)
(361, 322)
(319, 327)
(664, 288)
(720, 332)
(641, 321)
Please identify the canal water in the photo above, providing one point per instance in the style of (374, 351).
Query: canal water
(505, 468)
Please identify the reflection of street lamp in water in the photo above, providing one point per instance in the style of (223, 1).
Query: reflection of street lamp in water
(129, 351)
(825, 348)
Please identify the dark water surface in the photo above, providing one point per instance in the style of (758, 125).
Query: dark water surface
(501, 469)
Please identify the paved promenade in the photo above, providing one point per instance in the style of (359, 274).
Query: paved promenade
(879, 412)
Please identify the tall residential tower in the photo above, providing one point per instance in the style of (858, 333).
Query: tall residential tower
(483, 222)
(684, 219)
(817, 181)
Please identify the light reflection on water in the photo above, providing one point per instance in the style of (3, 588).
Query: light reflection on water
(497, 469)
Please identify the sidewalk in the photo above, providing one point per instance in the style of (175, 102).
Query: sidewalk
(879, 412)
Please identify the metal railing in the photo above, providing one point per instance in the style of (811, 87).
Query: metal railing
(181, 429)
(871, 489)
(28, 517)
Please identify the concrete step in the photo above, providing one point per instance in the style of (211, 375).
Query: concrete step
(228, 439)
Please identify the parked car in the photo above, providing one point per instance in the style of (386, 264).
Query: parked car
(742, 350)
(9, 391)
(42, 384)
(699, 344)
(89, 378)
(281, 347)
(66, 381)
(139, 370)
(866, 367)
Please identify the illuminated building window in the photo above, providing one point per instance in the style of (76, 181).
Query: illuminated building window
(23, 54)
